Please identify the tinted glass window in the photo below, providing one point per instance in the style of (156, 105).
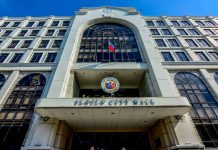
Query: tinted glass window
(167, 56)
(17, 112)
(108, 42)
(204, 110)
(2, 80)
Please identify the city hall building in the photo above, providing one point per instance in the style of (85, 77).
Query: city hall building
(108, 78)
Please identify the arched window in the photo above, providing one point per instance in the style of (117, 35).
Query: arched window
(216, 77)
(2, 80)
(108, 42)
(204, 111)
(18, 110)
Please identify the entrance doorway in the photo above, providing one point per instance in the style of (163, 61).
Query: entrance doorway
(111, 141)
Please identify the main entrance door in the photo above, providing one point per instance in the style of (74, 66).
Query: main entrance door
(111, 141)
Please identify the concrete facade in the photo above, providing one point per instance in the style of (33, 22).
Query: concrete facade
(165, 118)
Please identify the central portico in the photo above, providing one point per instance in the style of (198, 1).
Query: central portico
(112, 114)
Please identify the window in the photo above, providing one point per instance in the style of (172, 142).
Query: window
(204, 106)
(214, 55)
(150, 23)
(167, 56)
(26, 44)
(193, 32)
(34, 33)
(201, 56)
(175, 23)
(173, 43)
(200, 23)
(210, 23)
(182, 56)
(43, 44)
(7, 33)
(160, 23)
(30, 24)
(216, 77)
(191, 43)
(13, 44)
(185, 23)
(41, 23)
(16, 58)
(94, 46)
(203, 43)
(50, 33)
(166, 32)
(3, 56)
(209, 31)
(61, 32)
(154, 32)
(57, 44)
(22, 33)
(182, 32)
(1, 41)
(16, 114)
(36, 57)
(5, 24)
(55, 23)
(50, 57)
(2, 80)
(160, 43)
(65, 23)
(16, 24)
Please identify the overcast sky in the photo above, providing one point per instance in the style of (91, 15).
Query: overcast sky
(147, 7)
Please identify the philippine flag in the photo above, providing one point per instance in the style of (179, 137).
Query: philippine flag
(111, 46)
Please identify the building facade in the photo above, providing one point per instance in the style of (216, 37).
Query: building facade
(53, 71)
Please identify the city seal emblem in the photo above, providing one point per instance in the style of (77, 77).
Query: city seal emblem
(110, 85)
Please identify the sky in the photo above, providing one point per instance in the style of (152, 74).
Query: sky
(146, 7)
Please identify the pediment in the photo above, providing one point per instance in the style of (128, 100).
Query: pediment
(108, 9)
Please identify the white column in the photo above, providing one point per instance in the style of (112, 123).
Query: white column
(72, 88)
(26, 56)
(182, 131)
(8, 87)
(42, 135)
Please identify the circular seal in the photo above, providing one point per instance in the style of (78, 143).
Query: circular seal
(110, 85)
(107, 10)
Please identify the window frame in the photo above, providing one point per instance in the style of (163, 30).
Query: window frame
(2, 60)
(164, 33)
(206, 44)
(53, 58)
(14, 45)
(214, 58)
(169, 56)
(184, 55)
(154, 30)
(148, 23)
(202, 57)
(47, 41)
(184, 31)
(160, 45)
(173, 45)
(193, 43)
(36, 59)
(16, 60)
